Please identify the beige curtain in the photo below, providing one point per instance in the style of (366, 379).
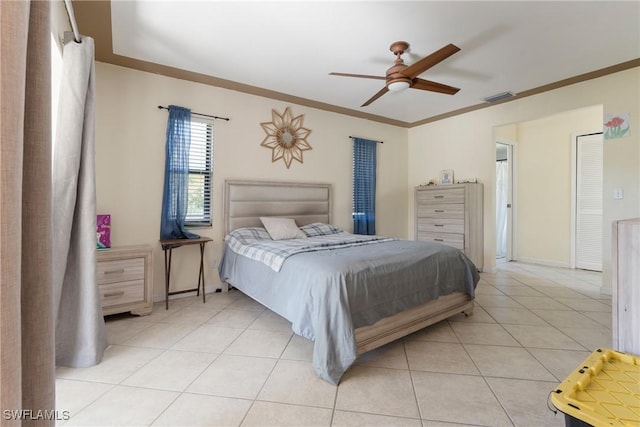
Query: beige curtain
(81, 336)
(27, 371)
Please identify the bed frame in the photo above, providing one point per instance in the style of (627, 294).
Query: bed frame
(246, 201)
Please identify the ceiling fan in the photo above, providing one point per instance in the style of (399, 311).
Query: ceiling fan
(401, 76)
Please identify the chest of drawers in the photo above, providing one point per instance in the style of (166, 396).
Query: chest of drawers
(124, 279)
(452, 215)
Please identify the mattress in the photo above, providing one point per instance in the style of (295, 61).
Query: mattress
(327, 294)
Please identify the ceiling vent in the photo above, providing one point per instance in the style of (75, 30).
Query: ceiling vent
(499, 97)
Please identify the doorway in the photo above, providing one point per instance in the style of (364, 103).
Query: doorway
(504, 201)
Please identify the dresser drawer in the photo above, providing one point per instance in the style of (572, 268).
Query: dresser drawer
(120, 270)
(444, 225)
(121, 293)
(437, 210)
(450, 195)
(450, 239)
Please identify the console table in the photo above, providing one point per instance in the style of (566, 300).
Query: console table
(167, 246)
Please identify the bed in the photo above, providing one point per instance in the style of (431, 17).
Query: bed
(349, 294)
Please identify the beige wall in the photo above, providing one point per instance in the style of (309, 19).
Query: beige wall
(506, 133)
(543, 179)
(465, 143)
(130, 140)
(130, 156)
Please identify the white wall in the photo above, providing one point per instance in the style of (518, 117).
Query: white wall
(465, 143)
(130, 142)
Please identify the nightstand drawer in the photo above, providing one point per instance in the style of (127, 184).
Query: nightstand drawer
(121, 293)
(444, 225)
(120, 270)
(450, 195)
(450, 239)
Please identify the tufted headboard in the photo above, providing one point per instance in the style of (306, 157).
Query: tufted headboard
(246, 201)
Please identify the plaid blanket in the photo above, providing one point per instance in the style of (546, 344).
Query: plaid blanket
(255, 243)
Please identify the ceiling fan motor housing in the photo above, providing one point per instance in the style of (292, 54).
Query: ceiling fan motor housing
(395, 72)
(394, 75)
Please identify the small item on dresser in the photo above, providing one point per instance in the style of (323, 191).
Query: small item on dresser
(103, 231)
(446, 177)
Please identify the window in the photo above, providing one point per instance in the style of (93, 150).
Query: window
(200, 173)
(364, 186)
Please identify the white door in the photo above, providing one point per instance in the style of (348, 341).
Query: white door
(589, 202)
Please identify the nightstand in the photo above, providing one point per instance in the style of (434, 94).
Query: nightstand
(125, 279)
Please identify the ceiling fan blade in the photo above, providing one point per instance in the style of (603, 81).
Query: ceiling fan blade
(433, 86)
(417, 68)
(362, 76)
(376, 96)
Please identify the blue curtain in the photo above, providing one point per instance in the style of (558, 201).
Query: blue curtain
(364, 186)
(176, 175)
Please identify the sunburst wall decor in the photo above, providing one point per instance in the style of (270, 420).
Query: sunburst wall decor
(286, 137)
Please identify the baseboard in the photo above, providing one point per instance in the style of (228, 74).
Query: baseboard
(606, 290)
(491, 270)
(544, 262)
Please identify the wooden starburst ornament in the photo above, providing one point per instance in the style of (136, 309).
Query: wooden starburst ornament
(286, 137)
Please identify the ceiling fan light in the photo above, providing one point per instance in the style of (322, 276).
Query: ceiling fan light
(398, 86)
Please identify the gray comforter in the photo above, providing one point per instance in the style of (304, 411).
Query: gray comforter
(327, 294)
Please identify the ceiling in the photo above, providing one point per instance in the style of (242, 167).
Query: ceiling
(286, 50)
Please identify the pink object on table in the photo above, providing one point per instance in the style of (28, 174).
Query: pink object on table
(103, 231)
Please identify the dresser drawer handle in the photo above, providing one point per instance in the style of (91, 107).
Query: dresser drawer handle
(438, 197)
(439, 240)
(114, 271)
(114, 294)
(438, 225)
(438, 210)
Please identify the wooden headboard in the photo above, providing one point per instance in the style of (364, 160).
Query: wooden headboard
(246, 201)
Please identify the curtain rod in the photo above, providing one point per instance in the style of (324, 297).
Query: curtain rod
(72, 20)
(199, 114)
(381, 142)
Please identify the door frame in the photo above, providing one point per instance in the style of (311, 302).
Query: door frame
(512, 247)
(574, 188)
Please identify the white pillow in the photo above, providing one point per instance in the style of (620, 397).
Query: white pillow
(282, 228)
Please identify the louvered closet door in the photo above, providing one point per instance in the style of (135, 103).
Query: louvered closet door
(589, 202)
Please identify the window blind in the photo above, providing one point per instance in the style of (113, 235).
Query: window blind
(200, 172)
(364, 186)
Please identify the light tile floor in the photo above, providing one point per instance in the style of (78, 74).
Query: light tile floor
(231, 362)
